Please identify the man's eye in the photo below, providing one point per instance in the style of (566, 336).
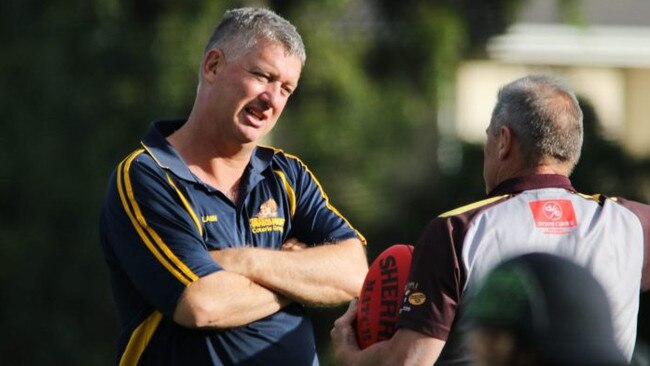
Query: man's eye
(262, 76)
(287, 90)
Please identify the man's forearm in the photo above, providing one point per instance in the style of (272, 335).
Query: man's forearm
(322, 275)
(225, 300)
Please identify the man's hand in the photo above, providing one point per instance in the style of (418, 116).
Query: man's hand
(406, 347)
(344, 336)
(293, 244)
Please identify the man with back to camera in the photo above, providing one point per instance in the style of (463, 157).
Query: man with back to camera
(215, 244)
(533, 143)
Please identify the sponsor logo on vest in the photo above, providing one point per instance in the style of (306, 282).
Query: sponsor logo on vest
(553, 216)
(267, 219)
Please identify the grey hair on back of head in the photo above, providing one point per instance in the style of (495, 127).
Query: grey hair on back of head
(240, 29)
(545, 117)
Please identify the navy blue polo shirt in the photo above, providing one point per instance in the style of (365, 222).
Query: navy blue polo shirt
(159, 223)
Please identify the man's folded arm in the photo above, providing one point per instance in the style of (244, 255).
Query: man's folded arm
(225, 300)
(327, 274)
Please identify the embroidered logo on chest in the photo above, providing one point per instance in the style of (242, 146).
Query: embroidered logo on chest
(267, 220)
(553, 216)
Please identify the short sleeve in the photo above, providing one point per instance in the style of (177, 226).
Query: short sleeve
(151, 238)
(316, 220)
(435, 282)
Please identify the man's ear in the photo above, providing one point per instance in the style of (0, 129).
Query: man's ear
(505, 143)
(213, 61)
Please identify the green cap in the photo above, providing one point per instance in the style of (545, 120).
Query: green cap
(553, 306)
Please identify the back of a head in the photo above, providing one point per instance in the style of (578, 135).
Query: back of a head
(555, 308)
(240, 29)
(544, 116)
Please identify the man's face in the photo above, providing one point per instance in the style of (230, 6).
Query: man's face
(252, 90)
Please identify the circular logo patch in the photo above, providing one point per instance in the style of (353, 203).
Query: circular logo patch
(552, 210)
(417, 298)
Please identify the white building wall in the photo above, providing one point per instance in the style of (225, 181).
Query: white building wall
(621, 98)
(637, 103)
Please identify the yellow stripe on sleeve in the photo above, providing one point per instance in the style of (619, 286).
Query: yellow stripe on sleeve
(158, 248)
(140, 339)
(290, 192)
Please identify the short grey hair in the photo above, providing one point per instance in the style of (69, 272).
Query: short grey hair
(239, 30)
(545, 117)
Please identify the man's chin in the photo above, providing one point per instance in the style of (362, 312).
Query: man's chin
(250, 139)
(251, 135)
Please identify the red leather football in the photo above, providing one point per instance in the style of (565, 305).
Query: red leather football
(382, 293)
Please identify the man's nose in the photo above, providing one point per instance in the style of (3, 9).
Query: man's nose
(272, 95)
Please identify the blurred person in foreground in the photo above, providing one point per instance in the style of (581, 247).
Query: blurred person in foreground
(540, 310)
(214, 243)
(533, 142)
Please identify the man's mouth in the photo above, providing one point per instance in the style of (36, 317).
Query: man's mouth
(257, 113)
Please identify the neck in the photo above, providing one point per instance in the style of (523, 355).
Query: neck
(220, 164)
(538, 170)
(546, 167)
(516, 167)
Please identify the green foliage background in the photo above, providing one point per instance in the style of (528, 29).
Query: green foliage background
(81, 81)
